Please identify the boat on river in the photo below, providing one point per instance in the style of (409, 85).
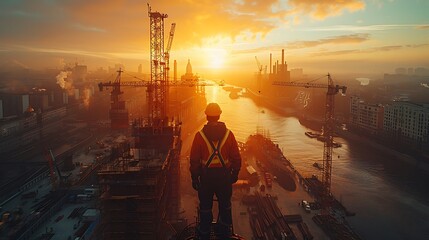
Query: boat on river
(270, 155)
(312, 134)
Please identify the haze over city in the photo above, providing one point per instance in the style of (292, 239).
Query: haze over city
(122, 119)
(221, 37)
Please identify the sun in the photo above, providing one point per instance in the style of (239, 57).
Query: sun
(215, 57)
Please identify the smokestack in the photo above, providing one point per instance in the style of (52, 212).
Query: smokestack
(271, 62)
(283, 60)
(277, 67)
(175, 70)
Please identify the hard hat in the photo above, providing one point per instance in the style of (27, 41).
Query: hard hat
(213, 110)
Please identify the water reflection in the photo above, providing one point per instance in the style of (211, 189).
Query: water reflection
(390, 199)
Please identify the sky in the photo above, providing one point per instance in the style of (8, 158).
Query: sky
(220, 37)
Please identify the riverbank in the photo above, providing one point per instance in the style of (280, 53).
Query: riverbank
(416, 163)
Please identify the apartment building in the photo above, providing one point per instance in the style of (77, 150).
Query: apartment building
(366, 117)
(408, 121)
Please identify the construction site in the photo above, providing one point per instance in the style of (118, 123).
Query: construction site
(136, 183)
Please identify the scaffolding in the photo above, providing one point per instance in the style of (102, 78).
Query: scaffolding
(140, 188)
(139, 192)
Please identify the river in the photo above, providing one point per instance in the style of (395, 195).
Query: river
(391, 200)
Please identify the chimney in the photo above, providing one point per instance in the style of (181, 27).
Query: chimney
(283, 60)
(277, 67)
(271, 62)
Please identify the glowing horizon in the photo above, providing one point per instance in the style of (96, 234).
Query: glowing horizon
(220, 36)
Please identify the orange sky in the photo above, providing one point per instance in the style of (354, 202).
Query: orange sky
(220, 36)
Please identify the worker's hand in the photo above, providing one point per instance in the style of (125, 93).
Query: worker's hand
(196, 182)
(196, 185)
(234, 176)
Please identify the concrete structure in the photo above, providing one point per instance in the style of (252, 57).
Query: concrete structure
(19, 132)
(408, 122)
(140, 188)
(26, 118)
(366, 117)
(14, 104)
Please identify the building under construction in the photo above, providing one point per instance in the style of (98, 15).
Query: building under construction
(140, 188)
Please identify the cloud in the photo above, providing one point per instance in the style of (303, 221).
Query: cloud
(423, 27)
(78, 24)
(417, 45)
(88, 28)
(322, 9)
(359, 51)
(367, 28)
(344, 39)
(125, 25)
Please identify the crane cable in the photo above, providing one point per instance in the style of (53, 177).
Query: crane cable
(316, 79)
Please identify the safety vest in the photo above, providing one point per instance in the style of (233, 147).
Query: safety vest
(215, 158)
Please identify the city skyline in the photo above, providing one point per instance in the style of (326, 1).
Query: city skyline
(220, 36)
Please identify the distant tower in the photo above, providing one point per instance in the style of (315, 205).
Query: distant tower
(283, 61)
(189, 76)
(140, 68)
(189, 68)
(175, 70)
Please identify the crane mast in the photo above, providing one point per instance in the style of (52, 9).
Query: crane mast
(328, 130)
(167, 51)
(157, 91)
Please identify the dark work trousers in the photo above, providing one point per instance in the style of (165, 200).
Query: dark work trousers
(215, 181)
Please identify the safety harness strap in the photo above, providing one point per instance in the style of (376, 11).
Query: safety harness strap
(215, 150)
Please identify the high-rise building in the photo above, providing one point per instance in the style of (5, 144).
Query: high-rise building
(401, 70)
(366, 117)
(407, 121)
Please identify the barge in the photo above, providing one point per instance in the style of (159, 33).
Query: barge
(270, 155)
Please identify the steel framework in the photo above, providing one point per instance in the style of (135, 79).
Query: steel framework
(157, 91)
(328, 129)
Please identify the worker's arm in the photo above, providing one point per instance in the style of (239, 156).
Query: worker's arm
(196, 156)
(234, 154)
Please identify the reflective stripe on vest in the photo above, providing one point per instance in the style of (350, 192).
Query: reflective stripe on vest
(215, 158)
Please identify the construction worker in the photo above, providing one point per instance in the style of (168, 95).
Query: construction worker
(215, 162)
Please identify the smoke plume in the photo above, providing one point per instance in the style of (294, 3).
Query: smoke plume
(65, 82)
(86, 97)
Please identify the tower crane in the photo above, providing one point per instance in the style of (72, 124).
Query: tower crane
(328, 130)
(167, 50)
(118, 112)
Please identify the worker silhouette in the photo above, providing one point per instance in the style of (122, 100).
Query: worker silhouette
(215, 164)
